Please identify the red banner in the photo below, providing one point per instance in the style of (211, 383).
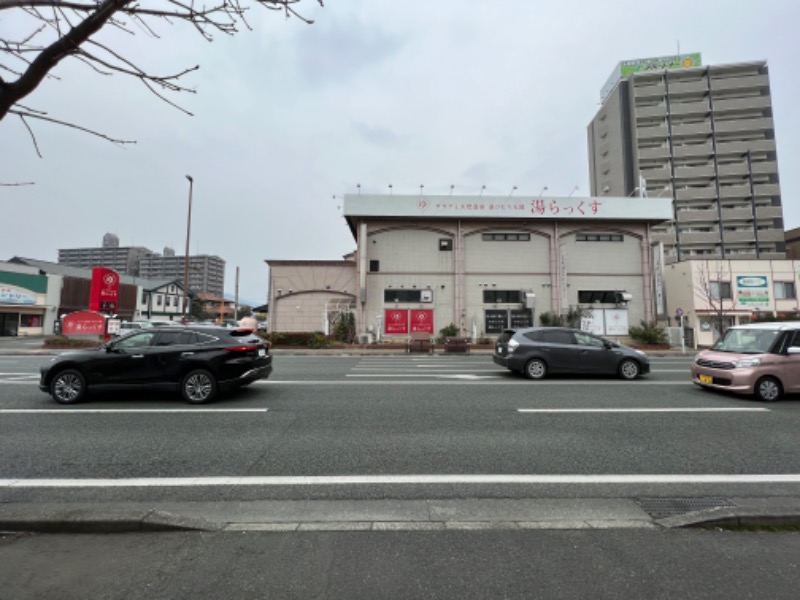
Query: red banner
(422, 320)
(395, 320)
(84, 322)
(104, 295)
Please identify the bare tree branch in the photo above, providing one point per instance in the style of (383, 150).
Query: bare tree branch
(42, 117)
(63, 29)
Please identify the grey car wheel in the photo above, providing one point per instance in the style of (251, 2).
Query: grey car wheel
(199, 387)
(768, 389)
(629, 369)
(535, 368)
(68, 387)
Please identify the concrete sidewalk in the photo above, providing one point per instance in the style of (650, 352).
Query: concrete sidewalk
(390, 515)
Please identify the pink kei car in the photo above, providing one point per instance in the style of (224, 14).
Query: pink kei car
(760, 359)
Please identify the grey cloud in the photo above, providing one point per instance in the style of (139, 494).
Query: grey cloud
(375, 135)
(338, 51)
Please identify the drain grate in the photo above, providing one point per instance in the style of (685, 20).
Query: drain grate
(666, 507)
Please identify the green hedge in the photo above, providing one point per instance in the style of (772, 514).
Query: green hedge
(304, 339)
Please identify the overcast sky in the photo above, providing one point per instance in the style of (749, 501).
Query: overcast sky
(290, 117)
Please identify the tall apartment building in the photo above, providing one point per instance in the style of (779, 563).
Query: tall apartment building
(123, 259)
(702, 135)
(206, 273)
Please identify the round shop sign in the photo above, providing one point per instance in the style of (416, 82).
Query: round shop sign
(679, 312)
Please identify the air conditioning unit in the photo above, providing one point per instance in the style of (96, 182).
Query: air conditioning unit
(530, 299)
(426, 296)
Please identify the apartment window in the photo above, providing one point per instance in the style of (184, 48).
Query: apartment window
(392, 296)
(502, 296)
(598, 237)
(159, 299)
(169, 301)
(374, 266)
(784, 290)
(506, 237)
(720, 290)
(599, 297)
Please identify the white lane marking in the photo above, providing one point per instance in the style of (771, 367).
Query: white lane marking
(506, 380)
(419, 375)
(78, 411)
(330, 480)
(416, 370)
(639, 410)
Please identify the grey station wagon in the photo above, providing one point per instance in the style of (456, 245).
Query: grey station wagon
(540, 351)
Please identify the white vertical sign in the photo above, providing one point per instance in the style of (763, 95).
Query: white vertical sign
(658, 277)
(562, 274)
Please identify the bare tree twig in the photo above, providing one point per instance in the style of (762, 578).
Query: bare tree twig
(63, 28)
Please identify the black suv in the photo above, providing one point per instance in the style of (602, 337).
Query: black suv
(198, 361)
(539, 351)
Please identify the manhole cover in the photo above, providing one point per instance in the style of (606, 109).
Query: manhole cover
(666, 507)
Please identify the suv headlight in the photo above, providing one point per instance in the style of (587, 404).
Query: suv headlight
(744, 363)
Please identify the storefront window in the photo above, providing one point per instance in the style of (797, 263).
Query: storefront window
(30, 320)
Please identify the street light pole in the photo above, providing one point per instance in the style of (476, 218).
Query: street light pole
(186, 259)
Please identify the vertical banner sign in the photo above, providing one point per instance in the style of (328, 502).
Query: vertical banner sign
(104, 294)
(658, 277)
(422, 320)
(562, 274)
(396, 321)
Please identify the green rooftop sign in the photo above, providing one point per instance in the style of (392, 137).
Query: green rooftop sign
(640, 65)
(626, 68)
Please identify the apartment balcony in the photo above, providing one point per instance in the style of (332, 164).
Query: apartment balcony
(696, 193)
(700, 237)
(691, 150)
(771, 235)
(690, 129)
(740, 148)
(650, 112)
(648, 91)
(772, 255)
(745, 125)
(733, 169)
(662, 152)
(740, 237)
(652, 133)
(724, 105)
(734, 191)
(743, 214)
(748, 82)
(708, 215)
(658, 174)
(767, 167)
(767, 189)
(705, 171)
(687, 87)
(680, 109)
(769, 212)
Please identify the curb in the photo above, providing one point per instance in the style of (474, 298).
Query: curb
(113, 522)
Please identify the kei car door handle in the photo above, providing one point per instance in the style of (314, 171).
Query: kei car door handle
(187, 354)
(138, 356)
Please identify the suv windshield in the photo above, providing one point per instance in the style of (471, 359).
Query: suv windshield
(747, 341)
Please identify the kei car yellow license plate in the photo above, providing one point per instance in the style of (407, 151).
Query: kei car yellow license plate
(706, 379)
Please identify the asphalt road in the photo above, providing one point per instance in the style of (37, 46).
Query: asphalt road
(399, 477)
(375, 427)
